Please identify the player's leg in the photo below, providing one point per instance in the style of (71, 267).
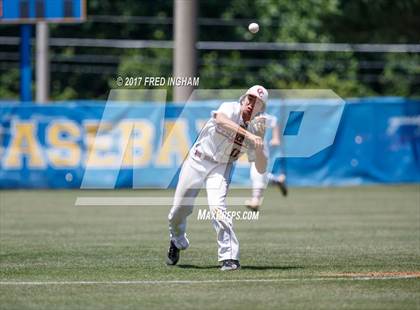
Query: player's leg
(190, 181)
(259, 183)
(280, 178)
(217, 184)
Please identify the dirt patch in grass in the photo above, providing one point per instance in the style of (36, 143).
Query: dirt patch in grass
(399, 274)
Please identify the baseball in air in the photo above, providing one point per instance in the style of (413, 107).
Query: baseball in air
(253, 27)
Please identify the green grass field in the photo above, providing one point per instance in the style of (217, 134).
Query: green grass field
(293, 256)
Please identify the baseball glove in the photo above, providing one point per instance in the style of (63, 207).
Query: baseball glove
(257, 126)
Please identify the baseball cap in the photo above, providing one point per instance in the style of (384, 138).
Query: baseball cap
(258, 91)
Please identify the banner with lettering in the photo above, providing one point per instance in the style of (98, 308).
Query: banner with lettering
(109, 145)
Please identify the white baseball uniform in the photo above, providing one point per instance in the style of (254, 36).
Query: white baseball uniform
(210, 162)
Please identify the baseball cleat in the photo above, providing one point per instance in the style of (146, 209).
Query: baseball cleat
(282, 186)
(230, 264)
(253, 204)
(173, 255)
(281, 183)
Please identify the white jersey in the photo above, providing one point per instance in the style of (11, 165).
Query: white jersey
(223, 145)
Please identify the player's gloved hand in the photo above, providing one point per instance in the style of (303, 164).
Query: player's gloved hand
(257, 126)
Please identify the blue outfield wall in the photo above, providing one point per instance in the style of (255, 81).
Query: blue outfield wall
(56, 145)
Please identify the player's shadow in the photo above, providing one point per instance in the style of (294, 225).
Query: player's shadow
(271, 267)
(189, 266)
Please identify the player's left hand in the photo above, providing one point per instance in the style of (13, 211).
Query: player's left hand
(257, 126)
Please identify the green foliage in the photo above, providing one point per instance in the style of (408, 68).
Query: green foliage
(297, 21)
(9, 88)
(401, 75)
(222, 72)
(146, 62)
(283, 20)
(337, 72)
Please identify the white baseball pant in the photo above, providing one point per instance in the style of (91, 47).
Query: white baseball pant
(195, 173)
(259, 180)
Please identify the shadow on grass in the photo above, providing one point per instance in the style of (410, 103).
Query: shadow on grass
(271, 267)
(187, 266)
(244, 267)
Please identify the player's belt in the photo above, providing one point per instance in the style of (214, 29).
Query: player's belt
(201, 155)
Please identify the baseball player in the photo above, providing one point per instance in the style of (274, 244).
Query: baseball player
(260, 181)
(227, 134)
